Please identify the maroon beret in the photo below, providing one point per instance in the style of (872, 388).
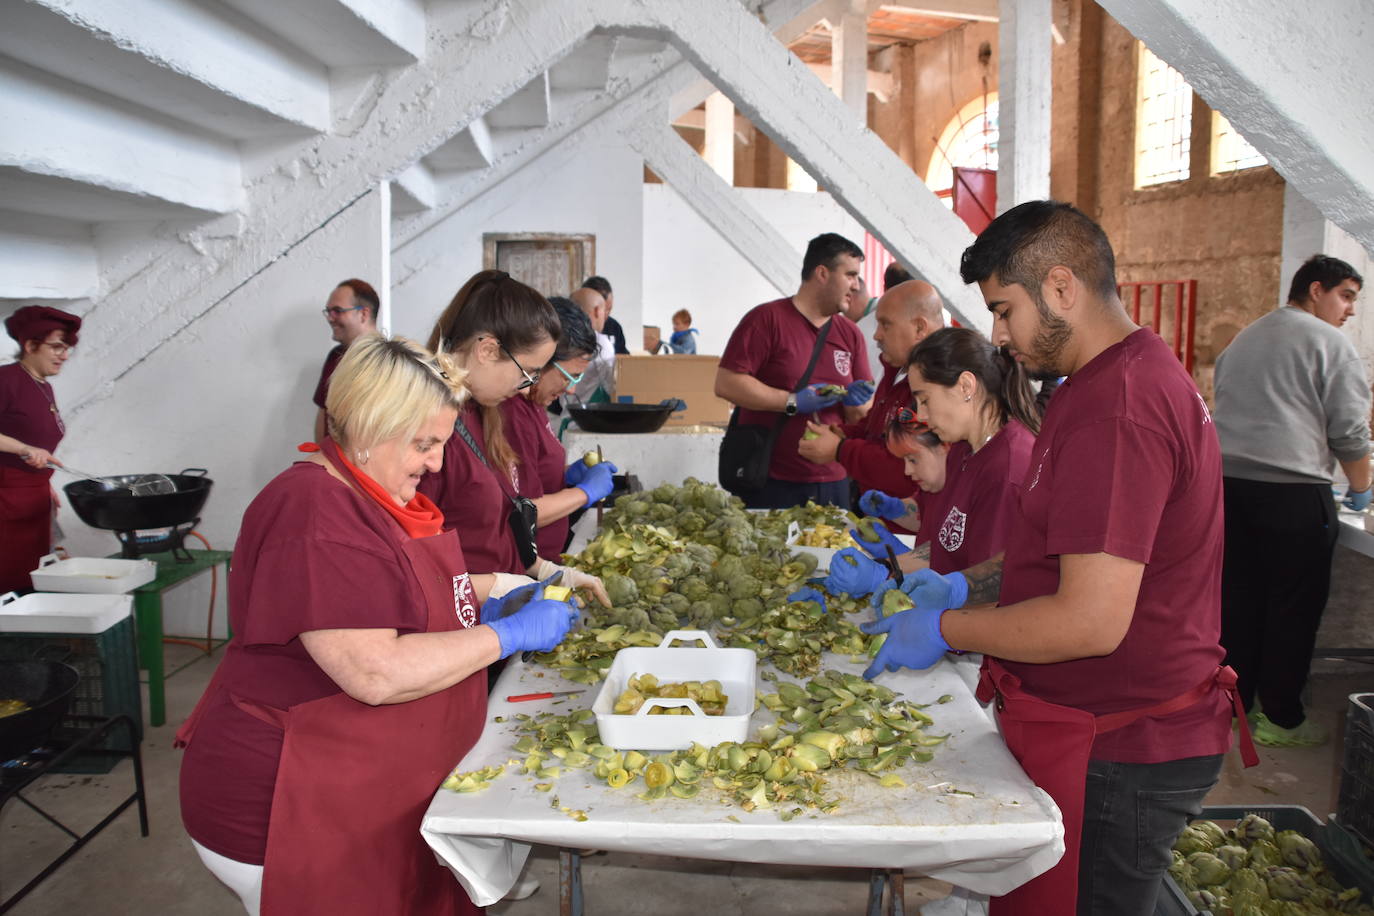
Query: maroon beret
(35, 322)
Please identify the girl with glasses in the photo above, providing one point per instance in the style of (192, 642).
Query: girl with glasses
(503, 334)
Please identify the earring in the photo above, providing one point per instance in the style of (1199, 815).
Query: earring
(362, 455)
(967, 398)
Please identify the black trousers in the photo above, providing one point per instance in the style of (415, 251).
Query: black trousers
(1274, 585)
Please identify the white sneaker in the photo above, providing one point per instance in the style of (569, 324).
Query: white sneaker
(527, 886)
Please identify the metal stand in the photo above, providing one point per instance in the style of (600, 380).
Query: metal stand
(14, 784)
(892, 880)
(569, 882)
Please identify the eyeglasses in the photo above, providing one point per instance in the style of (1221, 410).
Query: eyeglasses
(531, 378)
(59, 349)
(334, 311)
(572, 379)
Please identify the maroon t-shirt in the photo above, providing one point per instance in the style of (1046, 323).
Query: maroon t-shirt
(26, 414)
(773, 343)
(311, 555)
(1127, 463)
(864, 454)
(331, 362)
(967, 522)
(542, 460)
(474, 500)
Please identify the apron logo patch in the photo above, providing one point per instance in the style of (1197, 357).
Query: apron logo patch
(464, 601)
(952, 531)
(842, 362)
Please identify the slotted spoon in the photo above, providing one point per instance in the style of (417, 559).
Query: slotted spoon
(136, 484)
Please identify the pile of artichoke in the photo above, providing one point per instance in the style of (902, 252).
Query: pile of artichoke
(1254, 870)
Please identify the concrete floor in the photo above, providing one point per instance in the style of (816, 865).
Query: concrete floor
(121, 874)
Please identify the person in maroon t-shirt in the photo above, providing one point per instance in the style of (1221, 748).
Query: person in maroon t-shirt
(351, 311)
(1103, 653)
(766, 357)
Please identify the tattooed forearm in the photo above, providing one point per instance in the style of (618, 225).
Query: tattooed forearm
(917, 558)
(984, 582)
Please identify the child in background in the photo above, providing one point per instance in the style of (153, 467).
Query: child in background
(682, 340)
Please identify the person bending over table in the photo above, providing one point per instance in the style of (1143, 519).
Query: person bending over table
(355, 679)
(923, 458)
(557, 493)
(30, 429)
(502, 333)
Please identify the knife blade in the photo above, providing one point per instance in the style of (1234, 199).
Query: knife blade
(522, 697)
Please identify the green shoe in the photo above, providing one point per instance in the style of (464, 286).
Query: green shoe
(1265, 732)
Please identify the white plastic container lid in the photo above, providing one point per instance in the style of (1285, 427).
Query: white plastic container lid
(91, 575)
(43, 612)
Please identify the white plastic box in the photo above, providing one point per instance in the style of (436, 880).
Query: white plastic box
(734, 668)
(91, 575)
(41, 612)
(824, 555)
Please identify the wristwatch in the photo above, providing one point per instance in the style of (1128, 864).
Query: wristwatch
(791, 408)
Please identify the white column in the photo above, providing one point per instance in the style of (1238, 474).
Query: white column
(381, 219)
(720, 136)
(849, 58)
(1024, 85)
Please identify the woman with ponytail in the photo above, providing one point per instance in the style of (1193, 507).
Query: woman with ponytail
(501, 333)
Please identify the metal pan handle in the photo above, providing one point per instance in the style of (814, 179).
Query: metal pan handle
(193, 472)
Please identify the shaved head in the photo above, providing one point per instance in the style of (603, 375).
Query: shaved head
(593, 304)
(906, 314)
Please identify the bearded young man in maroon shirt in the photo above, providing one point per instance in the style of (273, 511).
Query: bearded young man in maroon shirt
(1102, 650)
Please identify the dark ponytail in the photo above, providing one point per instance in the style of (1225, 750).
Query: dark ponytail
(950, 352)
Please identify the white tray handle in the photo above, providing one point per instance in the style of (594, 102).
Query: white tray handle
(48, 560)
(687, 636)
(793, 532)
(669, 702)
(8, 598)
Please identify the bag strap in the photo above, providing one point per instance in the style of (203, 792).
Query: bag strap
(462, 429)
(821, 335)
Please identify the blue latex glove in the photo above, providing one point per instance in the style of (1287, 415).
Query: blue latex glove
(494, 607)
(575, 472)
(1359, 501)
(858, 580)
(930, 591)
(597, 483)
(536, 627)
(810, 400)
(913, 640)
(808, 594)
(878, 549)
(878, 503)
(858, 393)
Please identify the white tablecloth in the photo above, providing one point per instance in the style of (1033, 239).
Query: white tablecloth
(1352, 532)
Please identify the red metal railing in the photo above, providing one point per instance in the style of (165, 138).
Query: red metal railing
(1184, 303)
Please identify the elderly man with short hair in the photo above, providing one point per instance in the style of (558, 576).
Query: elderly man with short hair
(351, 311)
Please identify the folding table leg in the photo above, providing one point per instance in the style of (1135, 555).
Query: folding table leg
(896, 893)
(569, 882)
(876, 880)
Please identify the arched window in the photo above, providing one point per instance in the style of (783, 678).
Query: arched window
(968, 141)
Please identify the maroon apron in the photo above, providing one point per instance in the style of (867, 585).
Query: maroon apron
(354, 780)
(1053, 743)
(26, 509)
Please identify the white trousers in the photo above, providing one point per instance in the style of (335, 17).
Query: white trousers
(241, 878)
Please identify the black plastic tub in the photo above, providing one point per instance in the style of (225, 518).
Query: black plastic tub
(47, 688)
(621, 418)
(120, 510)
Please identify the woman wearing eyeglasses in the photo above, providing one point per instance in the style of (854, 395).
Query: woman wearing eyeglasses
(502, 333)
(30, 429)
(557, 493)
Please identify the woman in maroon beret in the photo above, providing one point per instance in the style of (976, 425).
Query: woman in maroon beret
(30, 428)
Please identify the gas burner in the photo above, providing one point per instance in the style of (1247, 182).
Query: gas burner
(134, 544)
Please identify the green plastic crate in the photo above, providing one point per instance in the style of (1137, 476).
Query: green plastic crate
(108, 665)
(1355, 805)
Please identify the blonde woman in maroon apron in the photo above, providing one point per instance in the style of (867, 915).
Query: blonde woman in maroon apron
(355, 680)
(30, 429)
(1102, 657)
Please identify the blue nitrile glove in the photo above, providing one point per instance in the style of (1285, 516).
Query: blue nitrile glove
(930, 591)
(808, 594)
(536, 627)
(878, 548)
(810, 400)
(858, 393)
(876, 502)
(913, 640)
(859, 579)
(494, 606)
(1357, 500)
(597, 483)
(575, 472)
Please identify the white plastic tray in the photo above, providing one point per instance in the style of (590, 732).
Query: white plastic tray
(734, 668)
(91, 575)
(824, 555)
(43, 612)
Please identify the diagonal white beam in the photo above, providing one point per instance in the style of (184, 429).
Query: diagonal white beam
(719, 204)
(1295, 87)
(412, 190)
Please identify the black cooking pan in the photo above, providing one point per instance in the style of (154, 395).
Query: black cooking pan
(120, 510)
(624, 418)
(47, 687)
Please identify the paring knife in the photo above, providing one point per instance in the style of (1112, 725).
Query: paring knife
(522, 697)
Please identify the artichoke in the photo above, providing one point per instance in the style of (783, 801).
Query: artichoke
(1209, 869)
(1263, 854)
(620, 589)
(1247, 881)
(1233, 856)
(1285, 883)
(1195, 839)
(1297, 850)
(1252, 827)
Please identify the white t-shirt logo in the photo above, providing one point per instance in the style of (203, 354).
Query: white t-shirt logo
(952, 531)
(842, 362)
(464, 601)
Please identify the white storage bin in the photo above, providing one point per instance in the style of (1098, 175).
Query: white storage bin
(734, 668)
(91, 575)
(42, 612)
(824, 555)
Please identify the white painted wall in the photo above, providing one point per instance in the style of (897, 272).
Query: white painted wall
(594, 186)
(688, 265)
(230, 393)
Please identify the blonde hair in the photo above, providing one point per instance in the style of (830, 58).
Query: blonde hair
(385, 389)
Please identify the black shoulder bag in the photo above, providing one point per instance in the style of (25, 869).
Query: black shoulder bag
(524, 515)
(747, 449)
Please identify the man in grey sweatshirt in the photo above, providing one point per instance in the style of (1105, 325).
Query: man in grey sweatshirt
(1292, 399)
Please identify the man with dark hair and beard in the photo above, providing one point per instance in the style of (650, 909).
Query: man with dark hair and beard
(1100, 623)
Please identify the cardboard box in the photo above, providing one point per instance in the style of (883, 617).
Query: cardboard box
(650, 379)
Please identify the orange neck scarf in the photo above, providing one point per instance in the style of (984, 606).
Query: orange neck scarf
(419, 518)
